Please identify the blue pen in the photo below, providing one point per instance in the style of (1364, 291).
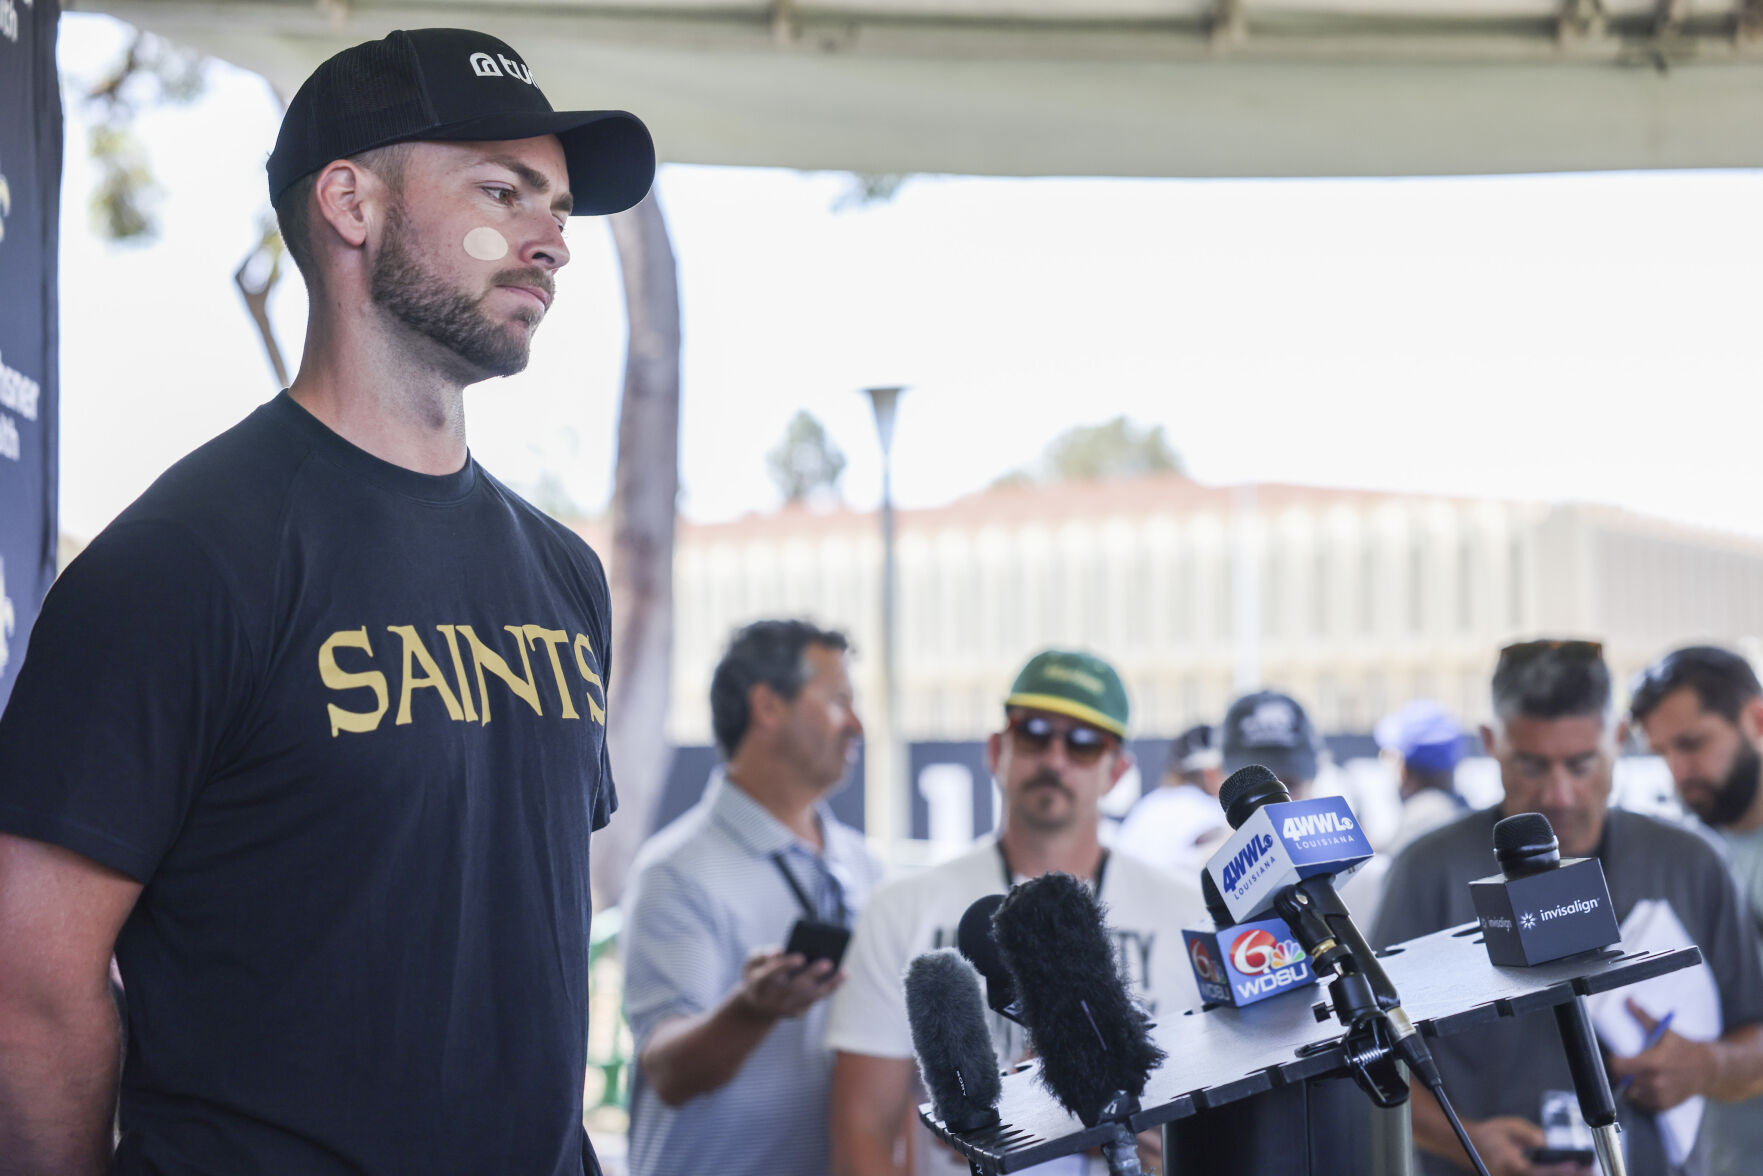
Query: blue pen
(1653, 1038)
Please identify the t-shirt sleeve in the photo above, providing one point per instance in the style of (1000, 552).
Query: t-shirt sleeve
(606, 795)
(672, 945)
(868, 1013)
(1729, 944)
(135, 672)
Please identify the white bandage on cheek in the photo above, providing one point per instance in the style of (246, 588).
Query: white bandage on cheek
(486, 244)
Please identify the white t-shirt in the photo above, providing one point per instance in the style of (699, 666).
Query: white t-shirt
(1146, 911)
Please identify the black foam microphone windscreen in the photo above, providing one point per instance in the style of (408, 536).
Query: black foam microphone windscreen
(1093, 1041)
(950, 1037)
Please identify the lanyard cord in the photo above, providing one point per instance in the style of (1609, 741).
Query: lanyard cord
(1010, 875)
(809, 908)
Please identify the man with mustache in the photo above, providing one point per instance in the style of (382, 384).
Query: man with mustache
(1061, 750)
(1700, 708)
(313, 736)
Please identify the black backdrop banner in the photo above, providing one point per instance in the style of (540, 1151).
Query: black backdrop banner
(30, 202)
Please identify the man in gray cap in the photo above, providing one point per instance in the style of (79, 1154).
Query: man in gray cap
(313, 736)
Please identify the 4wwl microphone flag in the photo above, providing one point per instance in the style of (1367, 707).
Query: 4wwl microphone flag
(30, 199)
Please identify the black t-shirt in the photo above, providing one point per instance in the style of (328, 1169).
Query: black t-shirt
(346, 722)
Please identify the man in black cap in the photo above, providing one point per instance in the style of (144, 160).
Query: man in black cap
(313, 736)
(1274, 730)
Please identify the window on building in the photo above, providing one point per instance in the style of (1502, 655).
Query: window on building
(1320, 594)
(1466, 578)
(1272, 583)
(1515, 586)
(1368, 589)
(1223, 601)
(1182, 599)
(1417, 585)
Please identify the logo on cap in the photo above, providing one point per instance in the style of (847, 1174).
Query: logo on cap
(485, 66)
(1077, 677)
(1273, 724)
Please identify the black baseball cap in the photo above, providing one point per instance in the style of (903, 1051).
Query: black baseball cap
(1271, 729)
(454, 84)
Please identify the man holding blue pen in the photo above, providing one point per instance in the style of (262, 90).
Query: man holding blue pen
(1553, 732)
(1700, 709)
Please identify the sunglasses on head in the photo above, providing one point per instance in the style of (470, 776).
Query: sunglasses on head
(1083, 745)
(1525, 652)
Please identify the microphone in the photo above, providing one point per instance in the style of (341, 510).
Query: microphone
(1294, 852)
(1540, 908)
(1239, 964)
(1094, 1042)
(1280, 841)
(974, 939)
(951, 1040)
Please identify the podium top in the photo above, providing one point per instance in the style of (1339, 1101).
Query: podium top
(1225, 1054)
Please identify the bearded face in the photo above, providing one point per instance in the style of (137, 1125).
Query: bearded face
(1724, 801)
(419, 295)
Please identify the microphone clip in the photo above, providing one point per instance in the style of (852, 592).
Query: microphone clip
(1371, 1057)
(1116, 1109)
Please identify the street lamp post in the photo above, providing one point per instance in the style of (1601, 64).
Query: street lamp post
(887, 808)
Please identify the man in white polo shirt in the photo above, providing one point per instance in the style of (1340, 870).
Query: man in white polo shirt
(1061, 750)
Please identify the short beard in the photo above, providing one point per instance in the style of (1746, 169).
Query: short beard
(1027, 815)
(415, 296)
(1733, 797)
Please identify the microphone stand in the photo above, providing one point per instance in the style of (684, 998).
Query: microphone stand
(1592, 1083)
(1365, 1001)
(1122, 1149)
(1360, 992)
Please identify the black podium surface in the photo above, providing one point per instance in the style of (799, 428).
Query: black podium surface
(1224, 1055)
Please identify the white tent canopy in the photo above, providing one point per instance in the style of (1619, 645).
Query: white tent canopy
(1108, 87)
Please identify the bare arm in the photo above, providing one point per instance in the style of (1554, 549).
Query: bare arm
(688, 1056)
(1730, 1069)
(59, 1039)
(871, 1101)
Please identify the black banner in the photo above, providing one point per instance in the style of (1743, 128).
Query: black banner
(30, 201)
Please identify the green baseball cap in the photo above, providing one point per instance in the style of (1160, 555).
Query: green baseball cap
(1080, 685)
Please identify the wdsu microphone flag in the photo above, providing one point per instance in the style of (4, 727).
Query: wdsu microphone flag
(30, 198)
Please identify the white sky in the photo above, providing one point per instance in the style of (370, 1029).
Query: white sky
(1580, 337)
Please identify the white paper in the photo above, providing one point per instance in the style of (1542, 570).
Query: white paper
(1689, 995)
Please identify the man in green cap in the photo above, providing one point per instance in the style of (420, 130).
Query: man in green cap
(1061, 749)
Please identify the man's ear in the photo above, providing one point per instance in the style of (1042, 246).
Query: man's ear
(994, 745)
(1751, 719)
(1489, 739)
(349, 199)
(1123, 762)
(764, 707)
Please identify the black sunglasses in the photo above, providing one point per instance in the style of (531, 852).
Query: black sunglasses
(1083, 745)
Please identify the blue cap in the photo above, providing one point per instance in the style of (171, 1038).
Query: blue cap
(1424, 734)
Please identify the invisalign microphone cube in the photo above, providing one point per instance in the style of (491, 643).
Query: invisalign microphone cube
(1541, 908)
